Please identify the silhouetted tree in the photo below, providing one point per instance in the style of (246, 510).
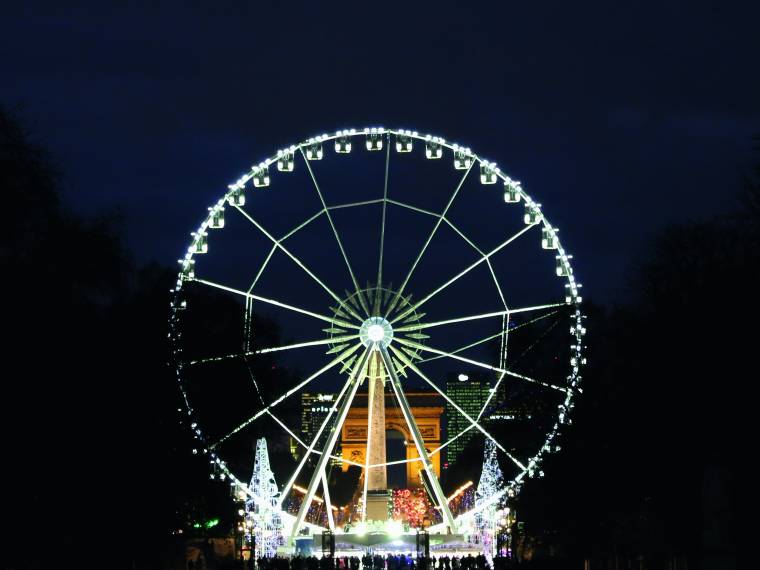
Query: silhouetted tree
(657, 431)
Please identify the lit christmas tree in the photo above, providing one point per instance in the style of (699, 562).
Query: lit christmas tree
(491, 482)
(263, 521)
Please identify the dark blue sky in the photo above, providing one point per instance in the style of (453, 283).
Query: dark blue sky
(618, 117)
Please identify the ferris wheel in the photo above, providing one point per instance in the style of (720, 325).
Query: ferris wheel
(385, 256)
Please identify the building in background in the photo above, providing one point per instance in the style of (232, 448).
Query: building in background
(510, 405)
(470, 394)
(314, 409)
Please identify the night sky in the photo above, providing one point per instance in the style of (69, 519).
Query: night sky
(618, 118)
(621, 119)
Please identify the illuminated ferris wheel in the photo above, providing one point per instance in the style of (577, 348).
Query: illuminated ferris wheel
(387, 259)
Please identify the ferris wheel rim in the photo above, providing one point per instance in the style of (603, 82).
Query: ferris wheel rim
(436, 142)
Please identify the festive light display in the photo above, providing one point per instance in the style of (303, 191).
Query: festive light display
(463, 502)
(490, 484)
(411, 506)
(343, 322)
(459, 491)
(262, 518)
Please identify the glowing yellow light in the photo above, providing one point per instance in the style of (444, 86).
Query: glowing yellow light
(459, 491)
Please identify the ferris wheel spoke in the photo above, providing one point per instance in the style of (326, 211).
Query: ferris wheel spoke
(211, 359)
(480, 252)
(255, 384)
(461, 234)
(459, 275)
(496, 283)
(274, 302)
(537, 308)
(451, 440)
(349, 390)
(358, 290)
(413, 208)
(534, 381)
(284, 426)
(431, 454)
(400, 292)
(445, 354)
(336, 339)
(502, 371)
(492, 337)
(399, 461)
(337, 360)
(357, 369)
(502, 364)
(504, 341)
(300, 442)
(464, 414)
(297, 261)
(328, 504)
(420, 326)
(302, 225)
(398, 391)
(264, 264)
(492, 392)
(463, 348)
(356, 204)
(376, 304)
(274, 246)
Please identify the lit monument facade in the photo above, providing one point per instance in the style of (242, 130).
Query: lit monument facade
(377, 477)
(427, 411)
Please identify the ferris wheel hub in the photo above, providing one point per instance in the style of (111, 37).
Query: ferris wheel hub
(376, 330)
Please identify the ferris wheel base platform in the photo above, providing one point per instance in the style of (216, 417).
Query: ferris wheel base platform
(361, 542)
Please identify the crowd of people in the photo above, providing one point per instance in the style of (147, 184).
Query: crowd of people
(368, 561)
(378, 562)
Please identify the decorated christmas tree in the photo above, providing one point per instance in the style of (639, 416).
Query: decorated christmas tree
(491, 482)
(263, 521)
(491, 478)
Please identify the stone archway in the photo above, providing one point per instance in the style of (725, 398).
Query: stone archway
(428, 419)
(395, 451)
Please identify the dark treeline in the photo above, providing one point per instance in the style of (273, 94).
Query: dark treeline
(99, 466)
(648, 467)
(96, 463)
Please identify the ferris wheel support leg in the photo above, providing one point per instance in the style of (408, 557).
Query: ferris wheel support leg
(328, 503)
(319, 470)
(406, 410)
